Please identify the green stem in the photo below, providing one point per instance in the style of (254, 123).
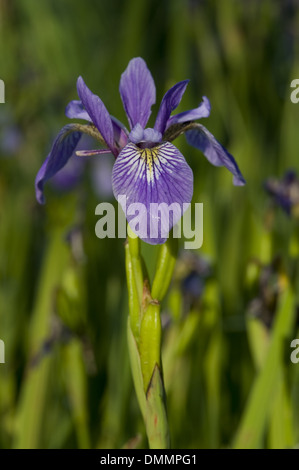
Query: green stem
(136, 260)
(166, 263)
(144, 336)
(134, 304)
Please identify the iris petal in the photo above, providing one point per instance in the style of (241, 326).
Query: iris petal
(120, 132)
(75, 110)
(151, 135)
(138, 92)
(98, 113)
(62, 149)
(170, 101)
(203, 140)
(158, 175)
(203, 110)
(136, 134)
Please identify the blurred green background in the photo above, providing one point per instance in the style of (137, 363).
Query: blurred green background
(231, 312)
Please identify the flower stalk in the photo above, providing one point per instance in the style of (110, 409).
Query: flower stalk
(145, 335)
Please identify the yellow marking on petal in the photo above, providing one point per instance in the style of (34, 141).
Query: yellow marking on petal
(150, 156)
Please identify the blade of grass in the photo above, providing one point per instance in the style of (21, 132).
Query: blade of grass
(253, 422)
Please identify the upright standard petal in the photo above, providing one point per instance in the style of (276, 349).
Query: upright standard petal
(202, 111)
(62, 149)
(170, 101)
(157, 183)
(98, 113)
(138, 92)
(202, 139)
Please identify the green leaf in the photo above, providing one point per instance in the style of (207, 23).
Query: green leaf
(254, 419)
(156, 416)
(136, 369)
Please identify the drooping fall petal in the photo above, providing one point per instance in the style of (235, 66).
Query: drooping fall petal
(62, 149)
(202, 139)
(146, 180)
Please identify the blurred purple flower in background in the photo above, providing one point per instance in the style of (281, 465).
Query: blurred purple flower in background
(101, 174)
(285, 192)
(10, 134)
(191, 273)
(272, 280)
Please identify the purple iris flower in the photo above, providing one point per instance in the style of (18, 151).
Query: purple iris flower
(148, 168)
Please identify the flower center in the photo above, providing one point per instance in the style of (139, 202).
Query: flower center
(145, 138)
